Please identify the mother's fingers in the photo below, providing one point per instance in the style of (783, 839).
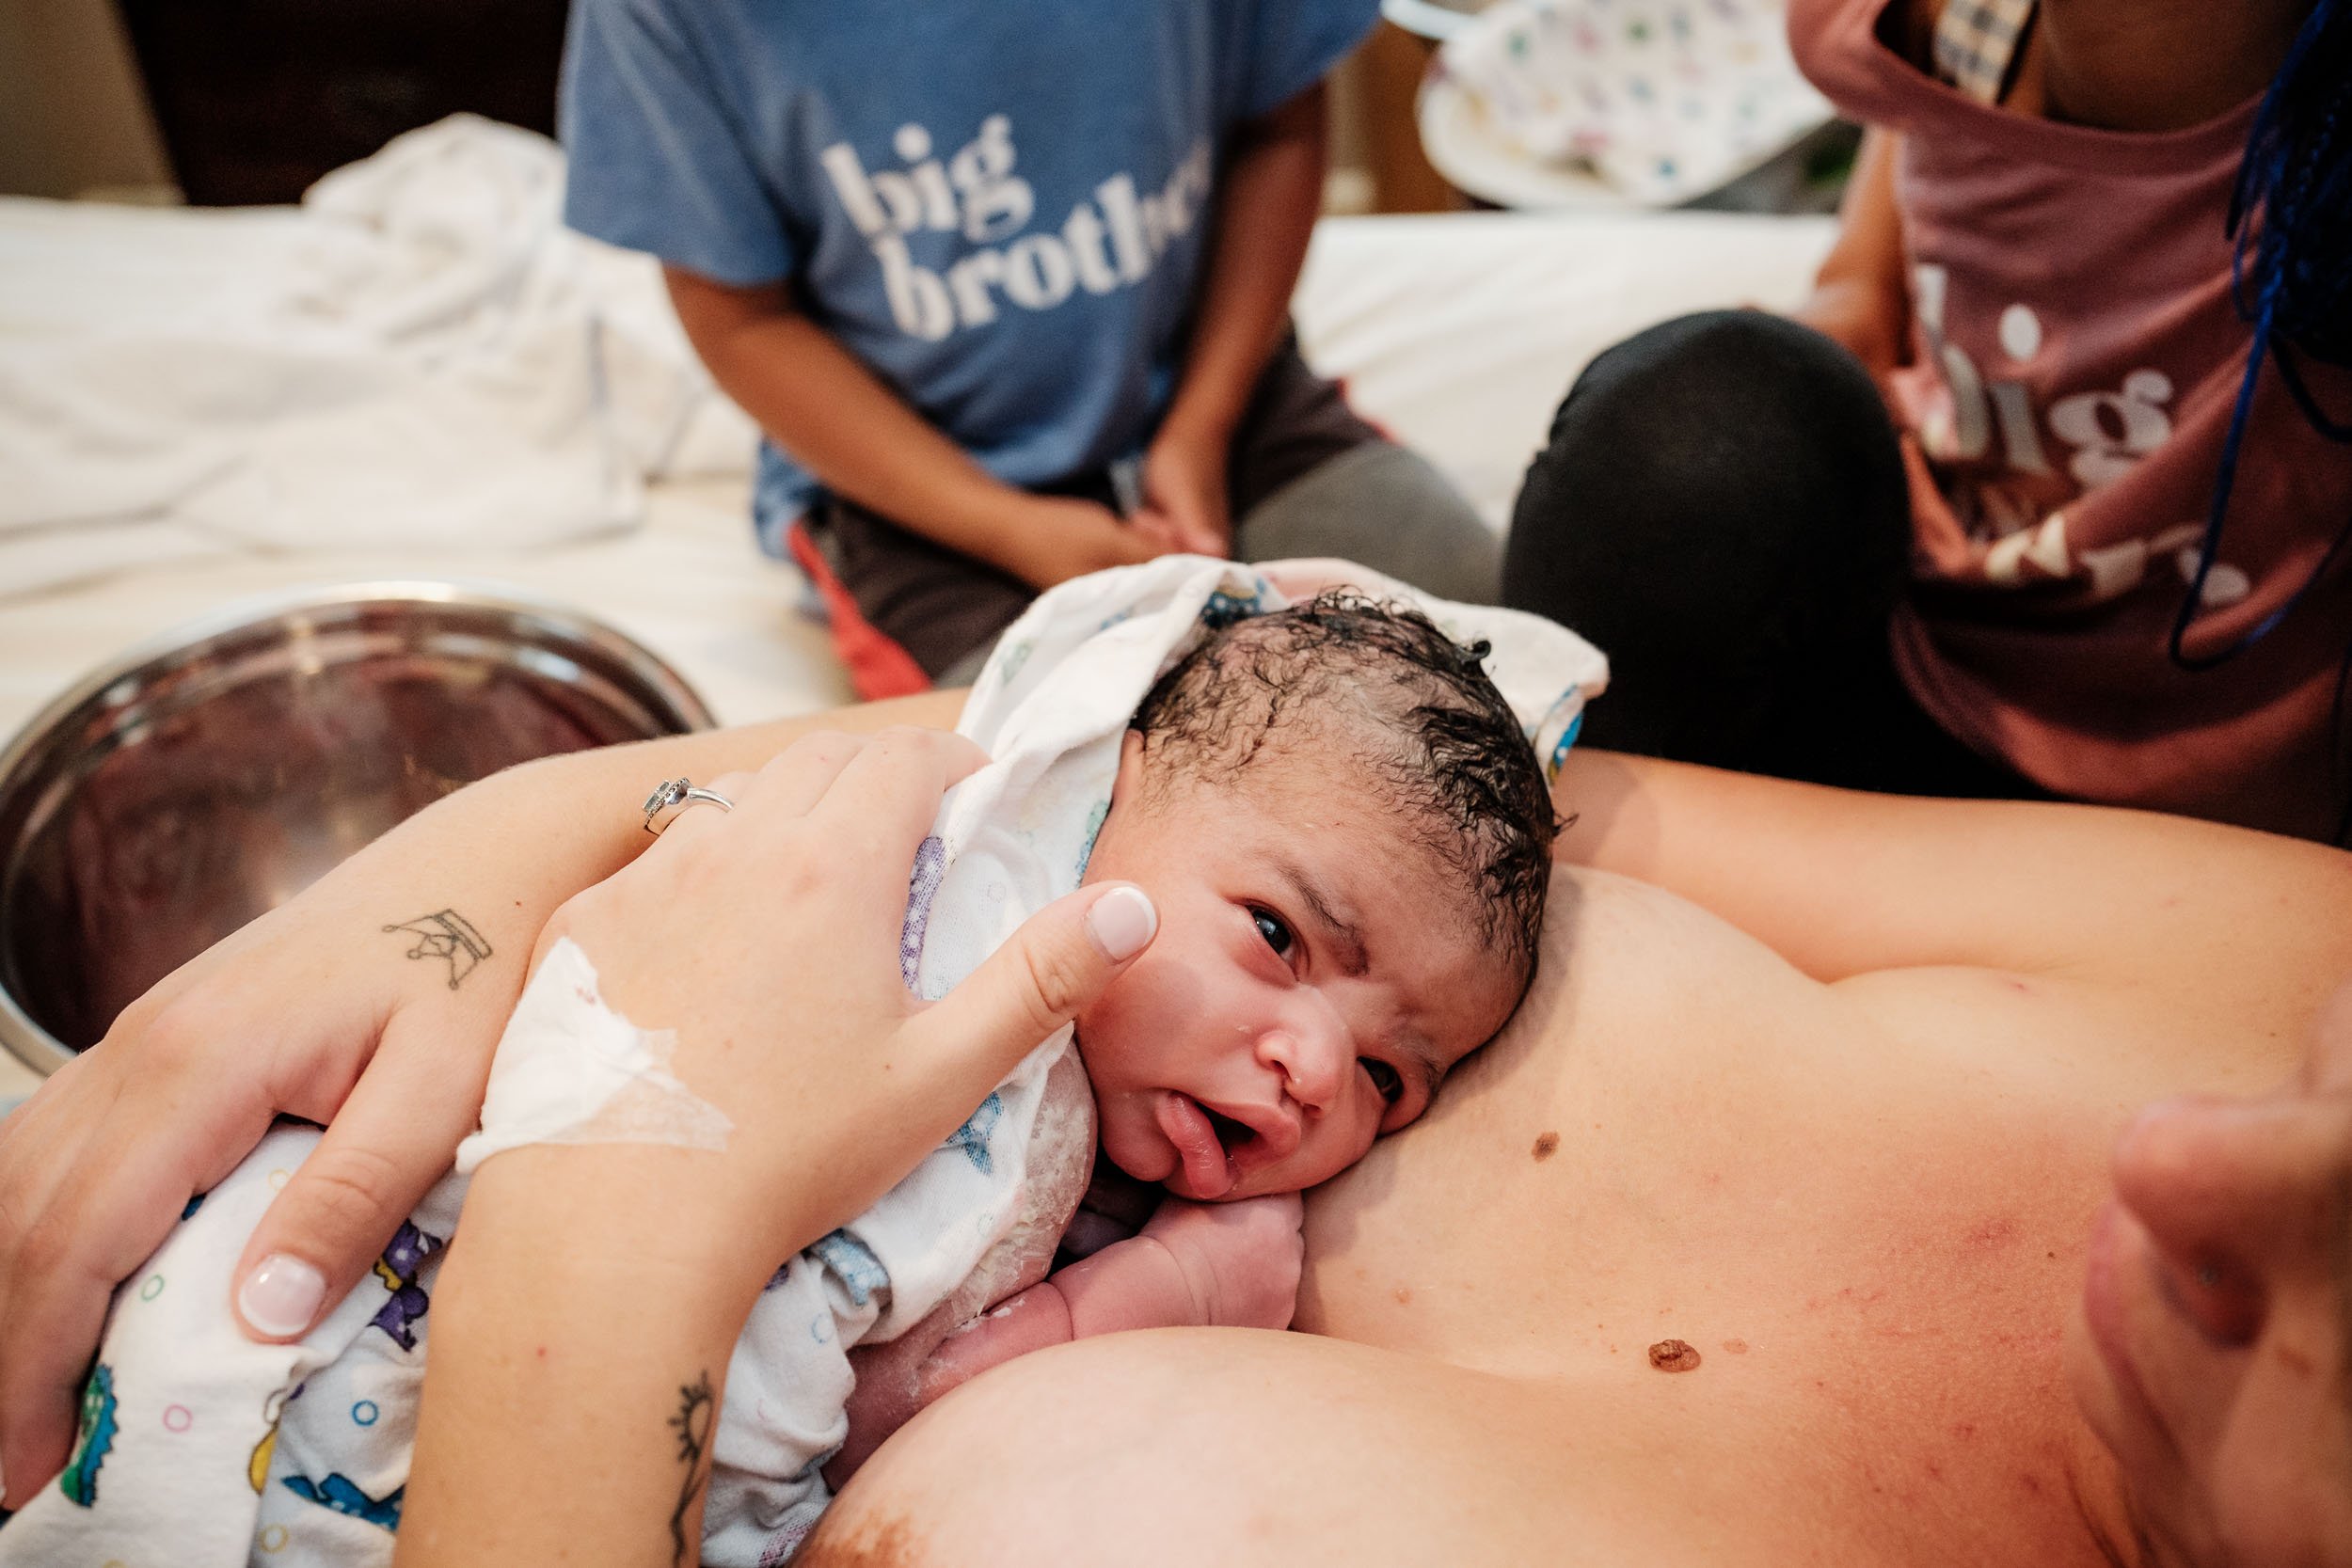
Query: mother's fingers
(129, 1181)
(788, 785)
(888, 794)
(691, 819)
(386, 1147)
(795, 779)
(2238, 1178)
(1051, 970)
(40, 1359)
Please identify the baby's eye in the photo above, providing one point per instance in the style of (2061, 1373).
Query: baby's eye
(1278, 936)
(1384, 1078)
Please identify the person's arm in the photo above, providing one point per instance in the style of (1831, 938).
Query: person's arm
(1860, 296)
(1269, 193)
(312, 1010)
(583, 1319)
(1842, 883)
(825, 407)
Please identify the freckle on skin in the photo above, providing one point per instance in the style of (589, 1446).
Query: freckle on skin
(1547, 1146)
(1734, 1347)
(1402, 1295)
(1674, 1355)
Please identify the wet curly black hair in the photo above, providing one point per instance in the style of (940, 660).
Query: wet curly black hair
(1413, 711)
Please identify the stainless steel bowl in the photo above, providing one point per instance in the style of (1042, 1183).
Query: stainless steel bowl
(214, 773)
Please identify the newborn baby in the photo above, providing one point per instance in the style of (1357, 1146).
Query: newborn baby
(1347, 839)
(1346, 832)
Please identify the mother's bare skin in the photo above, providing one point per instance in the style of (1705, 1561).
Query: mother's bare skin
(1841, 1165)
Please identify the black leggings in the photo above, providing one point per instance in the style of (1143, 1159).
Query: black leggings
(1721, 508)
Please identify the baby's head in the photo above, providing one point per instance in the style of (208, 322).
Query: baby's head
(1348, 840)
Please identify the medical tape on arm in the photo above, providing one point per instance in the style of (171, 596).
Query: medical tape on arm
(571, 1070)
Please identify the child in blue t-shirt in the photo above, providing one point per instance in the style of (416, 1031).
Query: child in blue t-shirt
(1007, 286)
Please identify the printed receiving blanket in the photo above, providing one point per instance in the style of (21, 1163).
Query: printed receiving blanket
(200, 1448)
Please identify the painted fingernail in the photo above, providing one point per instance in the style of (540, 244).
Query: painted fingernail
(1122, 921)
(281, 1295)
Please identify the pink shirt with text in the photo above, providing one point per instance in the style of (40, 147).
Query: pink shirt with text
(2073, 357)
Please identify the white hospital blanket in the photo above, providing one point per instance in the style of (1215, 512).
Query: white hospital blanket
(420, 356)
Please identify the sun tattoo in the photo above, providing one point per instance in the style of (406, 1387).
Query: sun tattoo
(696, 1407)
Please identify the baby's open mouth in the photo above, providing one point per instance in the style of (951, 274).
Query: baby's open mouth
(1231, 1135)
(1204, 1141)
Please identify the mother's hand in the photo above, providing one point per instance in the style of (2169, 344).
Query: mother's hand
(584, 1322)
(767, 937)
(313, 1009)
(2218, 1318)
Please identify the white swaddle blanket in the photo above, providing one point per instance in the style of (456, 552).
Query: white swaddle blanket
(202, 1448)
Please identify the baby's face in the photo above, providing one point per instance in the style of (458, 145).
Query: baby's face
(1315, 974)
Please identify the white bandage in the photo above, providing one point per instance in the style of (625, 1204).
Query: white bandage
(571, 1070)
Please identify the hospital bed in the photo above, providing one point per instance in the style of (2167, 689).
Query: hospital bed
(419, 375)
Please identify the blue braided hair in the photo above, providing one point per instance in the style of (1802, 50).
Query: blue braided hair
(2290, 225)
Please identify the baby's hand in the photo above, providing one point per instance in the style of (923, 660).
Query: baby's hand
(1229, 1265)
(1242, 1260)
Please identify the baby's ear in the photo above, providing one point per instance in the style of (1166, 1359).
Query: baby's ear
(1131, 749)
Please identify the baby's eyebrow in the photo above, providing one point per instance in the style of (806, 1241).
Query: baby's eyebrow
(1342, 934)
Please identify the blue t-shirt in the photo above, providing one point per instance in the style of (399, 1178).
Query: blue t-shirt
(1002, 209)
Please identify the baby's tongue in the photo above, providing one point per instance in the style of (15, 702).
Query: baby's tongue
(1206, 1170)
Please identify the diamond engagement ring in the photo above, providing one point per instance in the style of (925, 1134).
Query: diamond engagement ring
(680, 792)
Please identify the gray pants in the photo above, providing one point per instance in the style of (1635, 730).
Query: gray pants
(1378, 505)
(1308, 478)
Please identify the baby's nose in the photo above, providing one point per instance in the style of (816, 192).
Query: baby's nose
(1311, 1059)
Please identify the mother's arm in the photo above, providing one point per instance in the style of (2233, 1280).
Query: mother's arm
(584, 1320)
(312, 1010)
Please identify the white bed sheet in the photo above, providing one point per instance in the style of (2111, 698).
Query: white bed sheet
(1457, 334)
